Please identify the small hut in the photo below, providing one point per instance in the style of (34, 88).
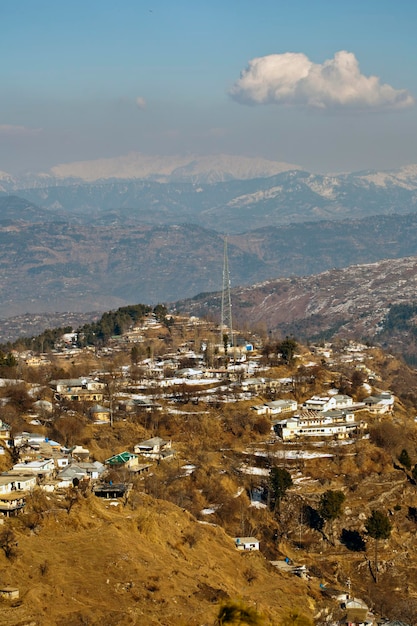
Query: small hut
(99, 414)
(9, 593)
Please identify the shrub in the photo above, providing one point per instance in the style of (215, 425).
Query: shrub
(8, 543)
(404, 459)
(295, 618)
(331, 504)
(353, 540)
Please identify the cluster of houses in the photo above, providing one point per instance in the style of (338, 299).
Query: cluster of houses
(201, 384)
(331, 416)
(53, 467)
(48, 465)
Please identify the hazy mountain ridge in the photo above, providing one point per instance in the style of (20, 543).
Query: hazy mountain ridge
(111, 261)
(137, 166)
(232, 205)
(87, 247)
(68, 267)
(312, 247)
(13, 208)
(352, 302)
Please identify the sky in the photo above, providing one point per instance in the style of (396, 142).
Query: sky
(330, 85)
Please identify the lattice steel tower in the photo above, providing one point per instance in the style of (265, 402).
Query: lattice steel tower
(226, 327)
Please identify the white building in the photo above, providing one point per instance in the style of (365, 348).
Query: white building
(334, 423)
(248, 544)
(154, 448)
(320, 403)
(18, 482)
(275, 407)
(46, 467)
(380, 403)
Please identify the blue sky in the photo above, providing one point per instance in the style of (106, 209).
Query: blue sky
(94, 78)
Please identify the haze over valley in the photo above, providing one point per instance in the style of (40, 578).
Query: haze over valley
(99, 245)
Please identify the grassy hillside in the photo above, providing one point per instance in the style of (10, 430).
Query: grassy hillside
(154, 558)
(148, 563)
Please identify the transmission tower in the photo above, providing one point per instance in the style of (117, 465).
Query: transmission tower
(226, 327)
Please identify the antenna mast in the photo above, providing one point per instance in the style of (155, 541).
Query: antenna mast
(226, 327)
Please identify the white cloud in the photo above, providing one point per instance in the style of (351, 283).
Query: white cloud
(141, 103)
(8, 130)
(292, 79)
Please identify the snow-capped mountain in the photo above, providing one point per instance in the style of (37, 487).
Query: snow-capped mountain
(7, 182)
(163, 169)
(235, 202)
(200, 169)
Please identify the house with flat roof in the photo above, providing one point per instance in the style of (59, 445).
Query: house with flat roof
(247, 544)
(320, 403)
(154, 448)
(10, 482)
(335, 423)
(112, 490)
(45, 467)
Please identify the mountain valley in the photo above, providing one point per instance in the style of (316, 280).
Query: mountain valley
(88, 244)
(95, 266)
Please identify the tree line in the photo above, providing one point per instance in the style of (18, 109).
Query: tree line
(111, 323)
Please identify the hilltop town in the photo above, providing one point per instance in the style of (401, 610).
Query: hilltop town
(296, 464)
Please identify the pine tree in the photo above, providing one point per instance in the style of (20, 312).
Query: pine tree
(279, 482)
(378, 527)
(330, 507)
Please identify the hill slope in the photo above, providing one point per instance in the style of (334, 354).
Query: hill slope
(150, 564)
(351, 302)
(54, 264)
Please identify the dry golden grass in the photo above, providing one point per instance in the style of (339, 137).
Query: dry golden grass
(152, 565)
(151, 562)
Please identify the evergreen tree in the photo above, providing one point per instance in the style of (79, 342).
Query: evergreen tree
(279, 482)
(378, 527)
(161, 312)
(287, 350)
(331, 504)
(135, 354)
(7, 360)
(330, 507)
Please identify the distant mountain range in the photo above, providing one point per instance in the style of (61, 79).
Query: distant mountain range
(163, 169)
(92, 246)
(374, 302)
(222, 194)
